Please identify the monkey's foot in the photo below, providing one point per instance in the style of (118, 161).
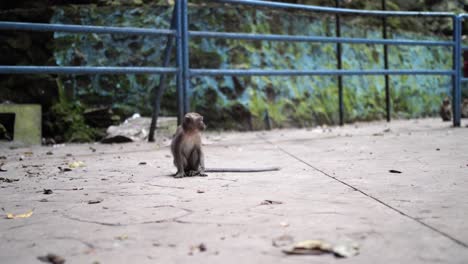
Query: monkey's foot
(179, 175)
(194, 173)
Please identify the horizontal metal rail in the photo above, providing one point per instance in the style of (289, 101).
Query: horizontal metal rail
(83, 70)
(83, 29)
(336, 10)
(464, 79)
(303, 38)
(242, 72)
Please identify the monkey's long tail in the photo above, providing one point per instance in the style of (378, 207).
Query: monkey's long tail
(242, 169)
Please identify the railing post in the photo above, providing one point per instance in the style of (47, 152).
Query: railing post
(185, 56)
(339, 65)
(456, 91)
(385, 50)
(180, 66)
(159, 91)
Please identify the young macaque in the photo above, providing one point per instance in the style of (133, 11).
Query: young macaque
(446, 110)
(464, 108)
(186, 148)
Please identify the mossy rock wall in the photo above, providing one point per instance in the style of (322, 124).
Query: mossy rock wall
(241, 102)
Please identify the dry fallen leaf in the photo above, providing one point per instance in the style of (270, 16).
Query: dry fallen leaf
(268, 202)
(122, 237)
(76, 164)
(13, 216)
(319, 247)
(52, 258)
(309, 247)
(96, 201)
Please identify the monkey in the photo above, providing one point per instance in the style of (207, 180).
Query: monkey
(464, 108)
(446, 110)
(186, 148)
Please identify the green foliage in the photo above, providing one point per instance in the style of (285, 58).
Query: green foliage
(65, 120)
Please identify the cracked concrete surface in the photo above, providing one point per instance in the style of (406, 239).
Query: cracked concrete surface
(334, 185)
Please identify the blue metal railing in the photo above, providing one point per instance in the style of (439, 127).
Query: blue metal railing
(182, 36)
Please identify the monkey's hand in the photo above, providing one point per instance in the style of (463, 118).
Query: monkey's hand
(179, 174)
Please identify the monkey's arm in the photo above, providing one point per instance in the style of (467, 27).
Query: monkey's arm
(179, 159)
(242, 169)
(202, 163)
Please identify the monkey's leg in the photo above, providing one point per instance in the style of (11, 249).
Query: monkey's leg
(194, 163)
(201, 167)
(181, 164)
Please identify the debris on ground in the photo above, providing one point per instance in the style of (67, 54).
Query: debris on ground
(52, 258)
(49, 153)
(309, 247)
(200, 191)
(284, 224)
(142, 163)
(268, 202)
(197, 248)
(346, 251)
(282, 241)
(394, 171)
(319, 247)
(64, 169)
(76, 164)
(48, 191)
(95, 201)
(133, 129)
(121, 237)
(7, 180)
(2, 169)
(25, 215)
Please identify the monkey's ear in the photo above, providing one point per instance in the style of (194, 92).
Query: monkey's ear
(187, 119)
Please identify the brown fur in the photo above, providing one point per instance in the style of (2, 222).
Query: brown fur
(446, 110)
(464, 108)
(186, 147)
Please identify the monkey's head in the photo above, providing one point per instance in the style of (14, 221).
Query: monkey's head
(465, 101)
(446, 101)
(193, 122)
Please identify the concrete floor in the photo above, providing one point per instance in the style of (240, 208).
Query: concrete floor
(334, 185)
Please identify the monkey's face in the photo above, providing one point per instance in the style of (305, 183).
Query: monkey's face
(193, 121)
